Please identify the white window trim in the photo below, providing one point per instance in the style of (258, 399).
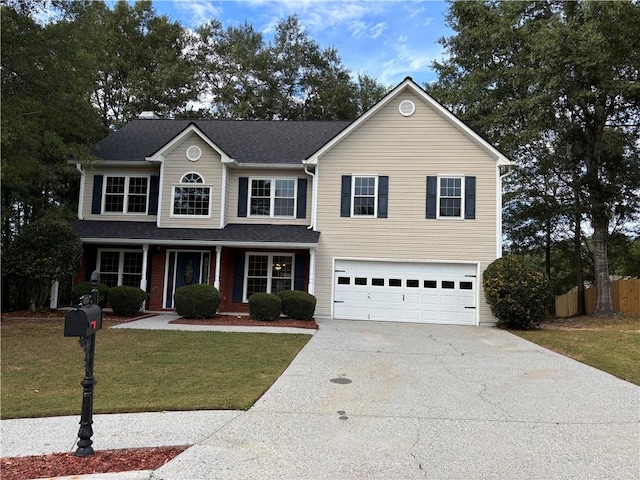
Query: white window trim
(121, 253)
(353, 195)
(125, 204)
(462, 192)
(245, 279)
(272, 197)
(194, 185)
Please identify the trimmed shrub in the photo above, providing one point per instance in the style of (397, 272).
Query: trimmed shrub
(84, 288)
(517, 292)
(126, 301)
(297, 304)
(264, 306)
(197, 301)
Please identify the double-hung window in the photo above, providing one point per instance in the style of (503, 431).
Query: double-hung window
(364, 196)
(120, 267)
(272, 197)
(191, 197)
(126, 194)
(450, 197)
(268, 273)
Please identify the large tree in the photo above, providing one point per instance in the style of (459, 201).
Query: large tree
(565, 71)
(288, 78)
(140, 61)
(46, 117)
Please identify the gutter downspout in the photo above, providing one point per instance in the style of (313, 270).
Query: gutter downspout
(314, 199)
(81, 194)
(501, 177)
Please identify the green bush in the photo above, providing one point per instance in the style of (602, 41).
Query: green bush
(297, 304)
(264, 306)
(126, 301)
(517, 292)
(197, 301)
(85, 288)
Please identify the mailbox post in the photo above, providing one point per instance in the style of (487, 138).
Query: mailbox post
(84, 322)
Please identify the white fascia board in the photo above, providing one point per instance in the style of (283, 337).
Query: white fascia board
(269, 166)
(191, 128)
(408, 83)
(195, 243)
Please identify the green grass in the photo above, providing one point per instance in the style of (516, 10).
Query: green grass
(138, 370)
(608, 344)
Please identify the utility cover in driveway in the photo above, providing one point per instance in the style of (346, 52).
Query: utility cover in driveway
(407, 292)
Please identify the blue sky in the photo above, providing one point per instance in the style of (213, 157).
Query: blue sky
(388, 40)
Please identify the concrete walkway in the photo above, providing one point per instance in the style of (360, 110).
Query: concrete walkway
(366, 400)
(393, 401)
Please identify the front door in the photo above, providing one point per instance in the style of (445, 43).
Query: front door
(187, 270)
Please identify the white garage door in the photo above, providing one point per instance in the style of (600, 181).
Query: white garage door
(407, 292)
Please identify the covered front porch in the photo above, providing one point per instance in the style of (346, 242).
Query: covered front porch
(239, 260)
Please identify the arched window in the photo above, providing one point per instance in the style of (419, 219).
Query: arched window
(191, 200)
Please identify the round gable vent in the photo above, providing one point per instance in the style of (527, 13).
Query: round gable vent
(194, 153)
(407, 108)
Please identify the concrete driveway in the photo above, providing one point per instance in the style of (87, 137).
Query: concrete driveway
(370, 400)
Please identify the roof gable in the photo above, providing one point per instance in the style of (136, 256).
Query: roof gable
(408, 83)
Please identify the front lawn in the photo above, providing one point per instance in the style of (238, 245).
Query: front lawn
(610, 344)
(137, 370)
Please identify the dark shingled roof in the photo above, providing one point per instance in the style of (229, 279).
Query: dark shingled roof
(247, 141)
(232, 233)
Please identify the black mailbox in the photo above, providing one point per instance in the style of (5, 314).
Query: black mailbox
(83, 321)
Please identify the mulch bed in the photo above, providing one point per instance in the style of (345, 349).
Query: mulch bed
(27, 315)
(244, 321)
(107, 461)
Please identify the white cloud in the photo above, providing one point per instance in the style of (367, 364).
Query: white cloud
(197, 12)
(377, 29)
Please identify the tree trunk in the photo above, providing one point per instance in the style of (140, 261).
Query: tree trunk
(577, 264)
(604, 304)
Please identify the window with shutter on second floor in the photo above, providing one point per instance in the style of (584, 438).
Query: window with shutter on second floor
(272, 197)
(126, 194)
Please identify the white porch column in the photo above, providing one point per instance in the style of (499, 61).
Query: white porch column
(312, 270)
(216, 278)
(53, 301)
(145, 257)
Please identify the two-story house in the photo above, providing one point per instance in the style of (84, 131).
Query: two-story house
(391, 217)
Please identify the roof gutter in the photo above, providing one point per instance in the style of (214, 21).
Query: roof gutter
(195, 243)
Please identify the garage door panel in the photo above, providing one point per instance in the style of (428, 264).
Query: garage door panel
(411, 292)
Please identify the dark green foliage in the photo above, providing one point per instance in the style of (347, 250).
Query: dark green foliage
(517, 292)
(46, 251)
(298, 305)
(197, 301)
(126, 301)
(85, 288)
(265, 306)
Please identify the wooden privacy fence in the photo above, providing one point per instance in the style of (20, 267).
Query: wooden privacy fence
(625, 295)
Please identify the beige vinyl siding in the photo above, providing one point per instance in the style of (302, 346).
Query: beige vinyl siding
(233, 177)
(407, 149)
(176, 165)
(102, 169)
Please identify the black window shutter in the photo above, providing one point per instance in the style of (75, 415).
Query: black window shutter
(302, 198)
(470, 198)
(345, 197)
(154, 190)
(298, 281)
(243, 196)
(238, 278)
(383, 196)
(96, 203)
(432, 196)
